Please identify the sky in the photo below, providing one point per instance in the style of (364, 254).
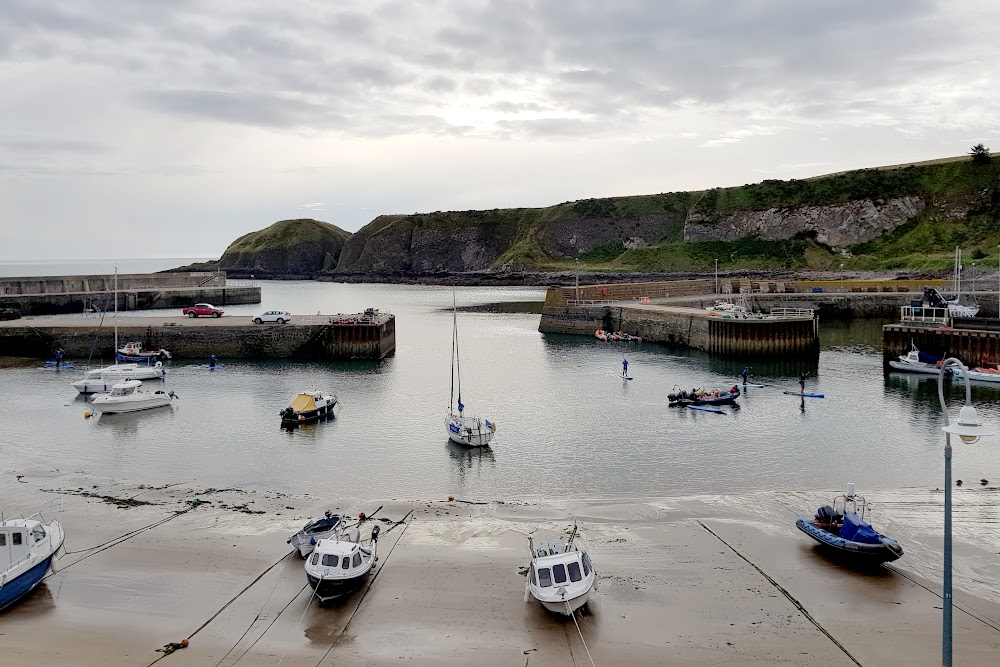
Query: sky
(168, 129)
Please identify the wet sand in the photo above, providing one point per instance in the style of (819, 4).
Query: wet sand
(685, 581)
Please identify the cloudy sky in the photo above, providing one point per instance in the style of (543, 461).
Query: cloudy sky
(149, 128)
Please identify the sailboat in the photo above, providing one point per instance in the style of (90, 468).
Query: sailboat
(464, 430)
(101, 380)
(955, 307)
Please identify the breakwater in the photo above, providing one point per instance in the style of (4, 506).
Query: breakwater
(638, 308)
(76, 294)
(318, 337)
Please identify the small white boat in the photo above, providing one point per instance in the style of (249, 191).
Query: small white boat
(560, 576)
(102, 379)
(468, 431)
(308, 407)
(304, 541)
(980, 374)
(134, 351)
(127, 396)
(916, 361)
(27, 547)
(340, 564)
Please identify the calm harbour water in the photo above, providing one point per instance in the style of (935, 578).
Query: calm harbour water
(567, 424)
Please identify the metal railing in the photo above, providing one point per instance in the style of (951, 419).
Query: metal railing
(594, 302)
(924, 315)
(792, 313)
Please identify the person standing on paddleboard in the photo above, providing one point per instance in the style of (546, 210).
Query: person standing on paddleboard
(802, 381)
(745, 374)
(624, 368)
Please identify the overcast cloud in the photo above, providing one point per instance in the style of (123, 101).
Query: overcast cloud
(192, 123)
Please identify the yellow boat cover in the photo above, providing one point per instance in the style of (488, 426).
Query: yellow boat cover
(303, 403)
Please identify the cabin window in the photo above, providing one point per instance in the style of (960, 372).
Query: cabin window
(3, 540)
(559, 573)
(574, 571)
(330, 560)
(544, 577)
(586, 563)
(357, 560)
(16, 539)
(346, 563)
(38, 533)
(315, 558)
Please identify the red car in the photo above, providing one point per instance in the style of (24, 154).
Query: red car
(206, 309)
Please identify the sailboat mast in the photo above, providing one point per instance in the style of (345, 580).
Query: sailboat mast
(454, 330)
(458, 357)
(116, 315)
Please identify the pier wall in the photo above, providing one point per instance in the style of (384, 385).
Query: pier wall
(197, 339)
(967, 345)
(136, 299)
(106, 283)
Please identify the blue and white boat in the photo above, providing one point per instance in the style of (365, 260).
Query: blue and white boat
(305, 540)
(843, 529)
(27, 547)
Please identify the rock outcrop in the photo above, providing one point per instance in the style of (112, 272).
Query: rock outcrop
(837, 225)
(288, 248)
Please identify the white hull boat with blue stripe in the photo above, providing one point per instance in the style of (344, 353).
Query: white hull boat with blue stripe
(27, 547)
(560, 576)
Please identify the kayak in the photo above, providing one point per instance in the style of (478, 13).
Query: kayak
(717, 411)
(805, 395)
(757, 386)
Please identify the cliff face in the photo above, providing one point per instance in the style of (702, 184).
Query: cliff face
(303, 247)
(838, 225)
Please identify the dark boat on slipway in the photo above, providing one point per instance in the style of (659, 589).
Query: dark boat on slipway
(843, 529)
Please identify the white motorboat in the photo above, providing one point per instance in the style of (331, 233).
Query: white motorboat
(127, 396)
(560, 576)
(102, 379)
(27, 547)
(340, 564)
(469, 431)
(980, 374)
(133, 351)
(916, 361)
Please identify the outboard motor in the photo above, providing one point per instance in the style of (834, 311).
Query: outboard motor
(375, 531)
(672, 397)
(286, 413)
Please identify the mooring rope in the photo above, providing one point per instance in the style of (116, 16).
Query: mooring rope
(570, 610)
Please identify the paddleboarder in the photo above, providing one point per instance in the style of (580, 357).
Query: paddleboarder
(802, 381)
(745, 374)
(624, 368)
(212, 362)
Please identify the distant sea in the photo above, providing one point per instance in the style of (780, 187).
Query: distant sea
(73, 267)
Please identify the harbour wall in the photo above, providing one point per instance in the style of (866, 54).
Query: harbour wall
(315, 339)
(134, 299)
(681, 327)
(967, 345)
(106, 283)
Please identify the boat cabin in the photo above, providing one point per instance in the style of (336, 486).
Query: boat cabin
(340, 555)
(554, 566)
(126, 388)
(16, 540)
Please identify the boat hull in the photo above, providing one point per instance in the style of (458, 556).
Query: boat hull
(978, 375)
(908, 367)
(123, 407)
(885, 552)
(331, 589)
(465, 431)
(20, 586)
(561, 606)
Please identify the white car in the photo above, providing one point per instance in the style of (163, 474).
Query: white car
(279, 316)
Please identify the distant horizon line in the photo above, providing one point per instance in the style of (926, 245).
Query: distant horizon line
(102, 259)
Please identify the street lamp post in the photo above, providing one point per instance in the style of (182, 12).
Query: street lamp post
(577, 278)
(716, 276)
(969, 429)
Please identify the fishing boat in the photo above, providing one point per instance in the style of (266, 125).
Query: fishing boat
(462, 429)
(560, 576)
(134, 352)
(916, 361)
(340, 564)
(842, 528)
(102, 379)
(27, 548)
(305, 540)
(308, 407)
(128, 396)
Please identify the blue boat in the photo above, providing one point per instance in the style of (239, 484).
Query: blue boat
(305, 540)
(27, 547)
(843, 529)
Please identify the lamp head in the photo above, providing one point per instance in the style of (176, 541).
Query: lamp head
(968, 427)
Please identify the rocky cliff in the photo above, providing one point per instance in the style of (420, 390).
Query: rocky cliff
(300, 248)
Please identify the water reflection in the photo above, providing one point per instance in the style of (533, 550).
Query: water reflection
(469, 463)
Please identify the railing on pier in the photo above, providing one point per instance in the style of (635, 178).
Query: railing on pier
(377, 318)
(230, 282)
(594, 302)
(924, 316)
(792, 313)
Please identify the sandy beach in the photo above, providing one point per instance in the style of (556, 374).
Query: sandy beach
(683, 581)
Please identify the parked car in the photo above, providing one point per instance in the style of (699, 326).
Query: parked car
(279, 316)
(203, 309)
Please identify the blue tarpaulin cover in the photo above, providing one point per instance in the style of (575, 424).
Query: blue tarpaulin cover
(856, 530)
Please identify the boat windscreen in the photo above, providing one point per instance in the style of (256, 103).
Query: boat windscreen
(559, 573)
(574, 571)
(330, 560)
(544, 577)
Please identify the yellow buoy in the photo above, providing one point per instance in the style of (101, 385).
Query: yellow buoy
(86, 415)
(451, 497)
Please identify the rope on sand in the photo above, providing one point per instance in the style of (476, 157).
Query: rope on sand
(573, 615)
